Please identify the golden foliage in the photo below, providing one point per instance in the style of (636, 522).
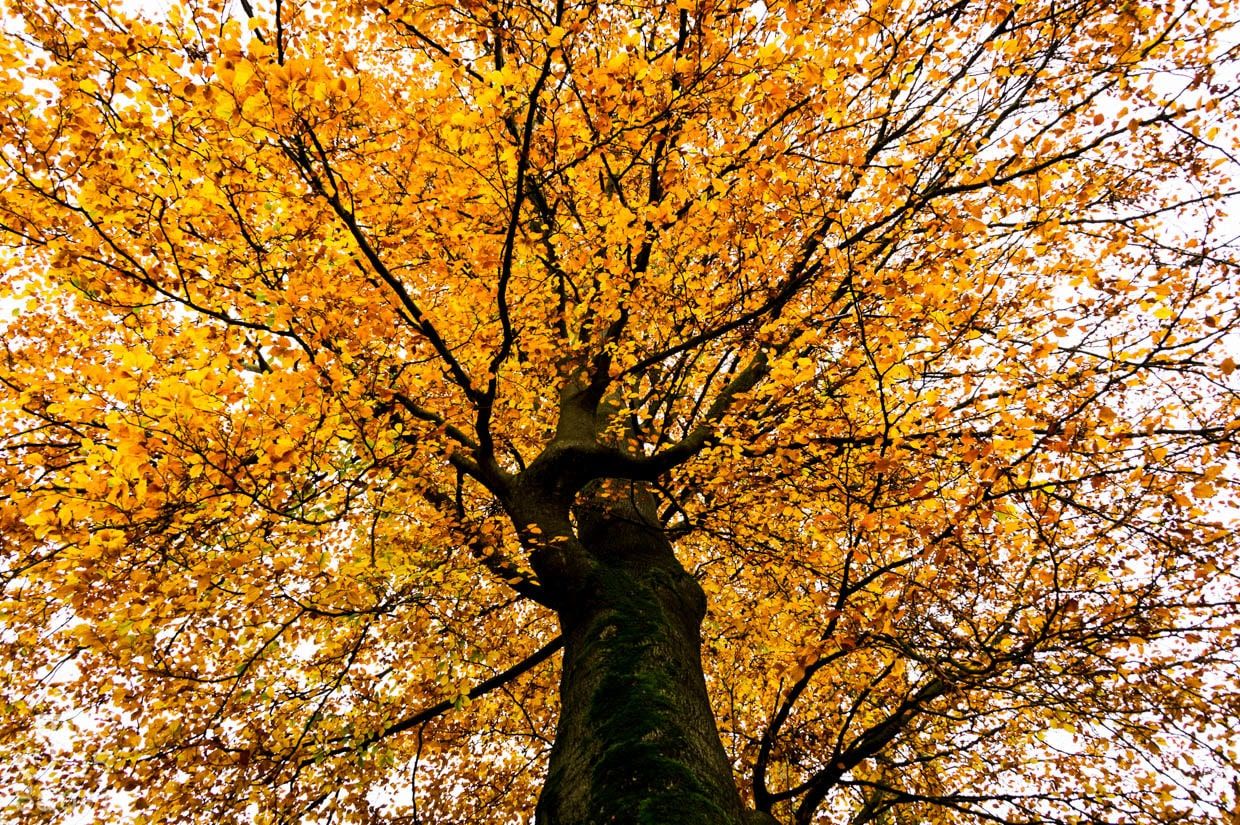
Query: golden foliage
(917, 313)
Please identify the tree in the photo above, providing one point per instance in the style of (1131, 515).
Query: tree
(838, 391)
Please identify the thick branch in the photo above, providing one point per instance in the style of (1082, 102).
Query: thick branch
(427, 714)
(481, 689)
(873, 740)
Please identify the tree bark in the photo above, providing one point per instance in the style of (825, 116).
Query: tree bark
(637, 741)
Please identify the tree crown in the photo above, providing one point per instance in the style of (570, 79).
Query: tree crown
(907, 321)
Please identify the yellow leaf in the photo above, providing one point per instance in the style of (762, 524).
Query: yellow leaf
(1204, 489)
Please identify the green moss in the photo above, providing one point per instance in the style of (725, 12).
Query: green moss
(642, 775)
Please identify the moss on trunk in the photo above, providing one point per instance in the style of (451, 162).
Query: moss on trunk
(637, 741)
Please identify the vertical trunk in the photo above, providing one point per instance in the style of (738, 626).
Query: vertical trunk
(637, 741)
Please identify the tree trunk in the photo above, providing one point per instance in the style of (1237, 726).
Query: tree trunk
(636, 742)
